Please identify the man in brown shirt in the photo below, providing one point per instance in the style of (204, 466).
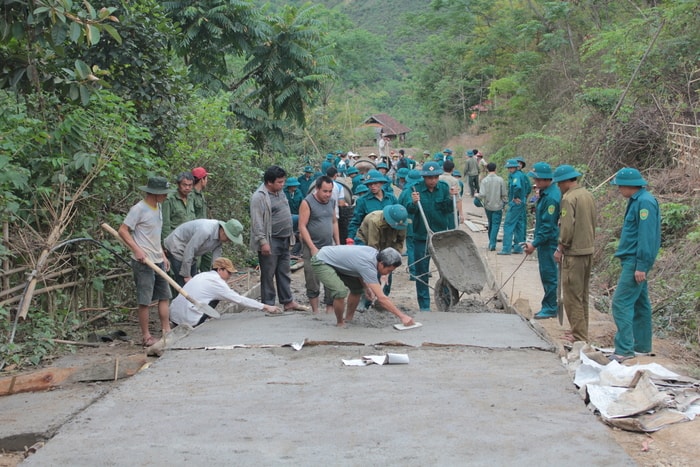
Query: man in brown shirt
(575, 250)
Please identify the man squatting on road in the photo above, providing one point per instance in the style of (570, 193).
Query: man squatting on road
(357, 268)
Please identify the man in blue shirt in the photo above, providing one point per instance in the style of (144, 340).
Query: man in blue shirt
(640, 241)
(516, 208)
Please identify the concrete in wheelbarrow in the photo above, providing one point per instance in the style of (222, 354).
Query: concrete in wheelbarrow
(491, 397)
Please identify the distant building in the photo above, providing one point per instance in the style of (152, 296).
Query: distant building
(388, 127)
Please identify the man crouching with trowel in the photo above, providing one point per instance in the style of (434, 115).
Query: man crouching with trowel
(357, 268)
(210, 287)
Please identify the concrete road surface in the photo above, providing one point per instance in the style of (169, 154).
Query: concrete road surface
(493, 396)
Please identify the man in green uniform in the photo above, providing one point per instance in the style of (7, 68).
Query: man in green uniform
(178, 207)
(305, 180)
(435, 197)
(294, 196)
(516, 207)
(521, 227)
(201, 179)
(577, 222)
(375, 200)
(640, 241)
(384, 229)
(546, 236)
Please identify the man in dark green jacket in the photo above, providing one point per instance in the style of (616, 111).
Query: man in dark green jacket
(546, 236)
(640, 241)
(435, 197)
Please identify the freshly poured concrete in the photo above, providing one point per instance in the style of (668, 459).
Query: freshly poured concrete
(494, 330)
(266, 406)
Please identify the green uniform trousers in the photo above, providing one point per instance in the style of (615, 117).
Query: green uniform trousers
(631, 311)
(575, 276)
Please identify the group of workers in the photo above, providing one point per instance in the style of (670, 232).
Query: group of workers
(386, 214)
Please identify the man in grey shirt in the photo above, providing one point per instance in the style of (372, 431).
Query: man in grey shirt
(493, 196)
(357, 268)
(195, 238)
(271, 235)
(318, 227)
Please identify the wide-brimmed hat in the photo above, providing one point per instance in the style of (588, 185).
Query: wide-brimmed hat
(402, 172)
(233, 229)
(199, 172)
(426, 153)
(478, 203)
(352, 171)
(223, 263)
(564, 172)
(291, 181)
(382, 165)
(628, 177)
(371, 154)
(447, 151)
(470, 153)
(413, 175)
(456, 173)
(156, 186)
(521, 160)
(308, 169)
(512, 164)
(541, 170)
(431, 169)
(396, 216)
(359, 189)
(374, 176)
(330, 156)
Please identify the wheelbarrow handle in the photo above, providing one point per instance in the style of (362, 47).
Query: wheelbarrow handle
(422, 215)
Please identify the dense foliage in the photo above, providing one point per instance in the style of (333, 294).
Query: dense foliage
(97, 96)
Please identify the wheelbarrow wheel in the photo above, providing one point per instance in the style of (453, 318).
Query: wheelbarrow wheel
(445, 295)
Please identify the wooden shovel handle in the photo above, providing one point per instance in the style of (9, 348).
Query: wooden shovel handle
(151, 265)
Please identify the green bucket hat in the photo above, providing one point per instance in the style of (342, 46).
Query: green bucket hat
(396, 216)
(402, 172)
(431, 169)
(360, 189)
(308, 169)
(233, 229)
(564, 172)
(478, 203)
(374, 176)
(628, 177)
(413, 175)
(156, 186)
(291, 181)
(352, 171)
(512, 164)
(541, 170)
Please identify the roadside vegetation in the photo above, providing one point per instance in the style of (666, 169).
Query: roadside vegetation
(97, 96)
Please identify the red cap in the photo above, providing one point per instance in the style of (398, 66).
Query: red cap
(199, 172)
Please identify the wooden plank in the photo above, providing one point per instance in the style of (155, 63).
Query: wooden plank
(48, 378)
(473, 227)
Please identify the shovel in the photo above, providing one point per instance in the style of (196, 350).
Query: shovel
(560, 297)
(201, 307)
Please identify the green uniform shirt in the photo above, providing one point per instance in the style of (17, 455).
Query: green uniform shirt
(577, 222)
(641, 231)
(375, 232)
(437, 205)
(366, 204)
(176, 212)
(547, 216)
(200, 204)
(294, 200)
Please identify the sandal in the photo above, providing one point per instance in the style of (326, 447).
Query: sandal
(147, 342)
(279, 313)
(619, 358)
(296, 307)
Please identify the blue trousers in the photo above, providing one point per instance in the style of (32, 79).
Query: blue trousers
(548, 276)
(513, 222)
(521, 228)
(420, 249)
(494, 218)
(631, 311)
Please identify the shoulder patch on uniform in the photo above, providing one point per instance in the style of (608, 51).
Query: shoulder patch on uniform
(562, 213)
(551, 209)
(643, 214)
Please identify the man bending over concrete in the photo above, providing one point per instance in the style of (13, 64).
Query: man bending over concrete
(357, 268)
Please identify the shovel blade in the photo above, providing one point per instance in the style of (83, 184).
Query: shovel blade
(207, 310)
